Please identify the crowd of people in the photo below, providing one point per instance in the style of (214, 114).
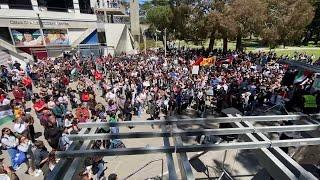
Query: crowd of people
(62, 92)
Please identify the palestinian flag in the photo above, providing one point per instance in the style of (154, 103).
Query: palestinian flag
(224, 61)
(6, 114)
(301, 76)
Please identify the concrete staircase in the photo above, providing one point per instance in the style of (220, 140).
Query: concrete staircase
(4, 57)
(83, 36)
(13, 51)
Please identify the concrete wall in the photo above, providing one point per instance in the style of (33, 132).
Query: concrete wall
(29, 19)
(75, 33)
(117, 36)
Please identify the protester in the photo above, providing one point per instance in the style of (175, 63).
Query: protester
(10, 143)
(68, 91)
(41, 155)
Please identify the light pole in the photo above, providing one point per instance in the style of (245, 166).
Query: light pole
(156, 40)
(41, 27)
(145, 41)
(156, 34)
(165, 42)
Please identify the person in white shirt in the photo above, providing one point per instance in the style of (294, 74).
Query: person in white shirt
(25, 146)
(9, 142)
(111, 95)
(19, 126)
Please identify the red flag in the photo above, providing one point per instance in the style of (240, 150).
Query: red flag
(198, 62)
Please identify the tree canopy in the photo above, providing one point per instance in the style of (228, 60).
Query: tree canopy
(275, 22)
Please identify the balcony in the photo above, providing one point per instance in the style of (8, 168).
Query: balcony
(110, 7)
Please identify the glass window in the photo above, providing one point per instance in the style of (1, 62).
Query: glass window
(56, 5)
(20, 4)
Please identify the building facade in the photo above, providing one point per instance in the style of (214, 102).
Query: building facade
(41, 28)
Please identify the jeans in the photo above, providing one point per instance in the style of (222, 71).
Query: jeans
(60, 122)
(101, 168)
(29, 93)
(12, 153)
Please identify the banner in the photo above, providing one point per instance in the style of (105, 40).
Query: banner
(56, 37)
(208, 61)
(27, 37)
(198, 62)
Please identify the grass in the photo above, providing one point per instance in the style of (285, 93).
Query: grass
(291, 53)
(253, 45)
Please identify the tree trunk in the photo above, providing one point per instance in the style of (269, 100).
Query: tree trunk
(211, 43)
(239, 43)
(225, 44)
(317, 38)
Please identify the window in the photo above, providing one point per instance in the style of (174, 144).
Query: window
(5, 35)
(56, 5)
(85, 7)
(20, 4)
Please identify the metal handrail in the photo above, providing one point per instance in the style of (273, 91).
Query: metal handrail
(147, 164)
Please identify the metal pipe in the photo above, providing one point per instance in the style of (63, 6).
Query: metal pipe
(220, 131)
(202, 120)
(190, 148)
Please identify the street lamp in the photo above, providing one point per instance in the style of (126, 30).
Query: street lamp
(145, 41)
(165, 42)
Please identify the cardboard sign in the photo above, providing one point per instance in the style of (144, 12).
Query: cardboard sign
(195, 69)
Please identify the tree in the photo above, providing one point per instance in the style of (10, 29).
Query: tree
(314, 26)
(196, 26)
(217, 24)
(181, 17)
(246, 17)
(286, 21)
(160, 17)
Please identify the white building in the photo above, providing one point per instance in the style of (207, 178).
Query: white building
(43, 28)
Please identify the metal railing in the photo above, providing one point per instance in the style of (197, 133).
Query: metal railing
(243, 126)
(108, 4)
